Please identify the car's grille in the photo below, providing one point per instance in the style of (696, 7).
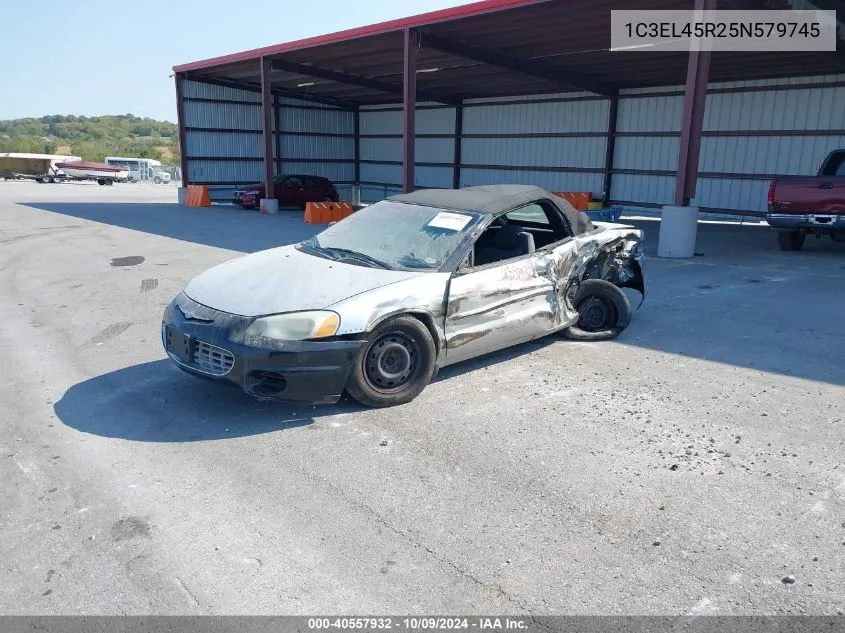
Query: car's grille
(211, 359)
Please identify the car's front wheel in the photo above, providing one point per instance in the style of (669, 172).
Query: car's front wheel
(395, 365)
(603, 309)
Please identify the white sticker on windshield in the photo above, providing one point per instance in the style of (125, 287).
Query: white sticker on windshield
(451, 221)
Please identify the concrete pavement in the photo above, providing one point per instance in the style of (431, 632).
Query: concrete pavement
(685, 468)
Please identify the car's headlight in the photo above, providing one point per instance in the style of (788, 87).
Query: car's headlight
(296, 326)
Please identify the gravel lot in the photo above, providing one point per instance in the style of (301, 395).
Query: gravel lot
(688, 467)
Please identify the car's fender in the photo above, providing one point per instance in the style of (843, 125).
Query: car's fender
(614, 254)
(421, 295)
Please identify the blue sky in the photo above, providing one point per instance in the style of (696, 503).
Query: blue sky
(97, 57)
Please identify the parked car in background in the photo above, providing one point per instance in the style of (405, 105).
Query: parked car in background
(374, 304)
(290, 191)
(799, 205)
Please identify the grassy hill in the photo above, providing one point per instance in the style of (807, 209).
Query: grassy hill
(93, 138)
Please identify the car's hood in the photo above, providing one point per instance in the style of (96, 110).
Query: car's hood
(283, 280)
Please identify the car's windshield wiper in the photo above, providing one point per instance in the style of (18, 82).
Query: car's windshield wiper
(316, 248)
(412, 261)
(345, 253)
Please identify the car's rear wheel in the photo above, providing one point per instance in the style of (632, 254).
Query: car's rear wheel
(395, 365)
(791, 240)
(603, 309)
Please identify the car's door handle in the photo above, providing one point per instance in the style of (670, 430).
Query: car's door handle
(826, 185)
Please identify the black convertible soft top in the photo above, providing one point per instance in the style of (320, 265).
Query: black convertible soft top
(494, 199)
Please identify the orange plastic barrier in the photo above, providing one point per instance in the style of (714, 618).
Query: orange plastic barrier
(325, 212)
(578, 199)
(197, 196)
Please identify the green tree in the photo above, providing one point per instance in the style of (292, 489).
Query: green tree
(93, 138)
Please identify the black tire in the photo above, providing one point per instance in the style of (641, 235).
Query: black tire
(395, 364)
(791, 240)
(157, 180)
(604, 311)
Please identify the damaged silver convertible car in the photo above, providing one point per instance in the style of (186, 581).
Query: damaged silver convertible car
(375, 304)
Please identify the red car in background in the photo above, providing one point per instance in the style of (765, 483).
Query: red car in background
(290, 191)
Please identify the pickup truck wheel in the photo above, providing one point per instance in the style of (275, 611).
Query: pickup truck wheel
(791, 240)
(604, 311)
(395, 364)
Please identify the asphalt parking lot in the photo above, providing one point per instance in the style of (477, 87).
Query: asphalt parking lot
(688, 467)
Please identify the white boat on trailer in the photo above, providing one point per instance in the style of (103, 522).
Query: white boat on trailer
(86, 170)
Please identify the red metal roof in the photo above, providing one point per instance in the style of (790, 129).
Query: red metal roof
(553, 46)
(420, 20)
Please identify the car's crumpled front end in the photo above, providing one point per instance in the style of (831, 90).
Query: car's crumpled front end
(243, 352)
(614, 253)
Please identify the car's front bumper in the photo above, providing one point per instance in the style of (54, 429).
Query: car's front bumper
(211, 344)
(250, 200)
(807, 221)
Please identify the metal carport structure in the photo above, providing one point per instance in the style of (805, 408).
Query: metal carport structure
(541, 55)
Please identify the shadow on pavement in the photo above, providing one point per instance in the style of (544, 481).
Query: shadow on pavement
(219, 226)
(156, 402)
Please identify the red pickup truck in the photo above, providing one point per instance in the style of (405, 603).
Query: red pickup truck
(799, 205)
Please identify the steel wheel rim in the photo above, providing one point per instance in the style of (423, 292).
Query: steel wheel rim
(391, 362)
(596, 314)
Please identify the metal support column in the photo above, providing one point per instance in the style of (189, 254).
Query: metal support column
(356, 130)
(459, 130)
(409, 104)
(267, 127)
(277, 126)
(698, 74)
(679, 222)
(180, 117)
(612, 118)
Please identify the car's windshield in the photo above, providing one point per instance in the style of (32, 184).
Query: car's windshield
(396, 235)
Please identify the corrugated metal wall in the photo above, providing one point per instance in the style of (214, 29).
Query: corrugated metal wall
(753, 131)
(221, 124)
(648, 130)
(554, 141)
(381, 149)
(223, 139)
(317, 140)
